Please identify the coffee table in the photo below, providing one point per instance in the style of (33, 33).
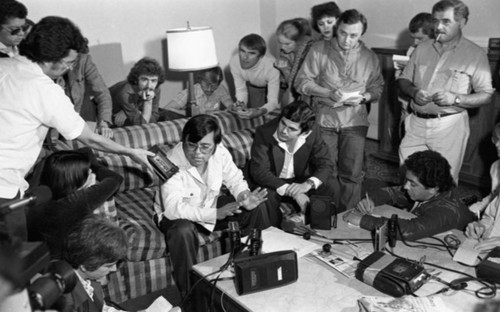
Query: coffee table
(321, 288)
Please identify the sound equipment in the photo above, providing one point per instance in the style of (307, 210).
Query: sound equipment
(393, 276)
(271, 270)
(234, 237)
(162, 166)
(489, 268)
(321, 209)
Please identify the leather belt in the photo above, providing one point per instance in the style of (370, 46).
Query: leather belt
(432, 116)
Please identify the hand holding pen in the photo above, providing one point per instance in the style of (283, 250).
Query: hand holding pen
(366, 205)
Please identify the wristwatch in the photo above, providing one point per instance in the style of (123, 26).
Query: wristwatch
(311, 183)
(457, 101)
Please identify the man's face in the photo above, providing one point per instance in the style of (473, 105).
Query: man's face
(419, 37)
(348, 35)
(288, 131)
(101, 272)
(445, 25)
(16, 25)
(325, 26)
(147, 82)
(58, 69)
(416, 190)
(198, 153)
(248, 57)
(286, 45)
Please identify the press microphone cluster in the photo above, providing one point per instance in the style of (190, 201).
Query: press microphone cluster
(37, 195)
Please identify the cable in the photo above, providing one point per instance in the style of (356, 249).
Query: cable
(194, 285)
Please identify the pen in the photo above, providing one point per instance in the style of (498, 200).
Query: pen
(368, 202)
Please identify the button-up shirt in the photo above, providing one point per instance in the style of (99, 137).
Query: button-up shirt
(187, 195)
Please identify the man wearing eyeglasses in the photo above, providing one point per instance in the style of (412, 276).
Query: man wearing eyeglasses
(13, 27)
(31, 103)
(190, 202)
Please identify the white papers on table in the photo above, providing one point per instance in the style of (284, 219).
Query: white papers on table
(387, 211)
(274, 239)
(466, 253)
(404, 304)
(160, 305)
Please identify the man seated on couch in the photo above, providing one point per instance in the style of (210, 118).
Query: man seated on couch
(189, 201)
(291, 160)
(428, 193)
(136, 100)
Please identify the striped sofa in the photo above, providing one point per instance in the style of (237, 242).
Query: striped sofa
(148, 267)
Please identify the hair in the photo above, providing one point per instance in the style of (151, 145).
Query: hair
(199, 126)
(254, 42)
(460, 10)
(146, 66)
(300, 112)
(353, 16)
(11, 9)
(211, 75)
(294, 29)
(327, 9)
(65, 172)
(431, 169)
(422, 21)
(51, 39)
(94, 242)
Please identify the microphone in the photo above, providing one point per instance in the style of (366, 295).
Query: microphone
(37, 195)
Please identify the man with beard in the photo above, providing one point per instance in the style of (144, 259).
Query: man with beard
(444, 78)
(136, 100)
(428, 193)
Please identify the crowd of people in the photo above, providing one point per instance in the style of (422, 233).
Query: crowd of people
(49, 82)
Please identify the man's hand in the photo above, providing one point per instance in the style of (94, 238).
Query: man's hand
(228, 210)
(488, 244)
(302, 200)
(444, 98)
(475, 230)
(250, 200)
(249, 113)
(353, 217)
(295, 189)
(336, 95)
(422, 97)
(104, 130)
(120, 118)
(140, 156)
(365, 206)
(147, 95)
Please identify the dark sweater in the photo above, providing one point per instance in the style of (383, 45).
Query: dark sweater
(52, 221)
(441, 213)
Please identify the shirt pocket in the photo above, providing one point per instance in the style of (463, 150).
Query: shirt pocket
(460, 82)
(191, 196)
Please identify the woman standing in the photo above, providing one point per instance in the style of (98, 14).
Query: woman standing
(324, 16)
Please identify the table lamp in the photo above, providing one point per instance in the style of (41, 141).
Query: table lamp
(191, 49)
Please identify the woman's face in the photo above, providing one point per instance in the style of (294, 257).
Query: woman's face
(325, 26)
(286, 45)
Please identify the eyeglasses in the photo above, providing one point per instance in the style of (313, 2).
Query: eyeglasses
(203, 148)
(68, 65)
(209, 86)
(16, 31)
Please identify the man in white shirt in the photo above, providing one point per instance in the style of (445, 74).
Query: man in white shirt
(189, 201)
(256, 80)
(31, 103)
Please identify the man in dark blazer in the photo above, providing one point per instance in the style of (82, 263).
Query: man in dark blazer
(290, 159)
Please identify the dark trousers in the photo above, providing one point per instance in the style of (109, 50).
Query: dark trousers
(274, 200)
(182, 238)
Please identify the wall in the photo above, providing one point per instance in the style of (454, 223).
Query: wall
(121, 32)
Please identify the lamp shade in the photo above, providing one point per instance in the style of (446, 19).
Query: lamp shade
(191, 49)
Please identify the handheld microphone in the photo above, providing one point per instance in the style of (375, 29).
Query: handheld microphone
(234, 236)
(255, 242)
(37, 195)
(392, 236)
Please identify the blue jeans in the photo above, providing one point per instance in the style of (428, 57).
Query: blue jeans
(347, 147)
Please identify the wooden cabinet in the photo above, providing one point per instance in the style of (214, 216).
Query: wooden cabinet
(480, 152)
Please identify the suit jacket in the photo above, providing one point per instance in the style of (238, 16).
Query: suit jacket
(79, 300)
(312, 159)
